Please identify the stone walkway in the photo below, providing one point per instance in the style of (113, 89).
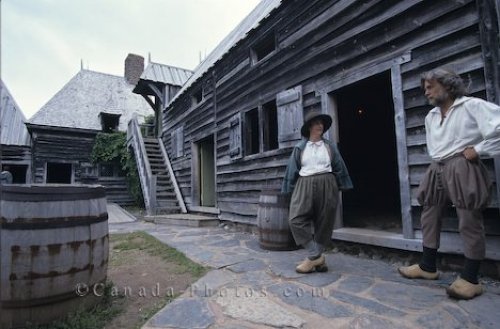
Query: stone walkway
(249, 287)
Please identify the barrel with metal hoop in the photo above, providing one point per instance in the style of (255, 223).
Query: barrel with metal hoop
(54, 245)
(272, 220)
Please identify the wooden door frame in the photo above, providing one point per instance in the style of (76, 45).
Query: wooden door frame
(329, 106)
(195, 168)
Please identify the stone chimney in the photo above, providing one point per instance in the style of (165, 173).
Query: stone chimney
(134, 66)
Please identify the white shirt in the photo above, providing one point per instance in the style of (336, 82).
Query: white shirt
(470, 121)
(315, 159)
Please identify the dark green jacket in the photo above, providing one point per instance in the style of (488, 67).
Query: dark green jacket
(339, 168)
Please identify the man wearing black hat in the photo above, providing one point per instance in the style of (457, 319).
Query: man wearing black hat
(315, 173)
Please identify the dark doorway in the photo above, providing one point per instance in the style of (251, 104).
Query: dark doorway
(59, 173)
(18, 172)
(368, 145)
(207, 171)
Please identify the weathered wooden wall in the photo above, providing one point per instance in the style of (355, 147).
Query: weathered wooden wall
(16, 154)
(73, 146)
(318, 42)
(61, 146)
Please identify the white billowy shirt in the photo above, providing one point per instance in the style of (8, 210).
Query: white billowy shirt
(315, 159)
(469, 122)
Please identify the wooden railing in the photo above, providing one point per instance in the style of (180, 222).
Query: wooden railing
(148, 180)
(177, 191)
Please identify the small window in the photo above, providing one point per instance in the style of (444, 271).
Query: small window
(252, 132)
(110, 122)
(263, 48)
(197, 97)
(270, 114)
(59, 173)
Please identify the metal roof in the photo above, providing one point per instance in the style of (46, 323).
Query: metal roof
(249, 23)
(166, 74)
(89, 93)
(14, 131)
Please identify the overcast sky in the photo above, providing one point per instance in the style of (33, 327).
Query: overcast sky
(44, 41)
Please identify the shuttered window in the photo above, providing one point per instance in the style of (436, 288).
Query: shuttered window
(177, 142)
(290, 116)
(235, 150)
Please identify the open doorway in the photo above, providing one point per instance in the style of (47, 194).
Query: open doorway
(18, 172)
(206, 171)
(59, 173)
(365, 113)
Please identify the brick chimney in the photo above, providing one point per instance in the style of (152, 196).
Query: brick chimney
(134, 66)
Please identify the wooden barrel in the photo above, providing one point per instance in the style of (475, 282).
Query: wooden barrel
(272, 220)
(54, 238)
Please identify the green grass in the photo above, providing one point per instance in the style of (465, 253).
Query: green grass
(144, 241)
(112, 305)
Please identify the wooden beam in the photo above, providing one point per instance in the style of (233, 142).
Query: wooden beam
(150, 102)
(450, 242)
(157, 93)
(357, 73)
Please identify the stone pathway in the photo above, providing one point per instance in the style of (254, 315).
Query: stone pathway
(249, 287)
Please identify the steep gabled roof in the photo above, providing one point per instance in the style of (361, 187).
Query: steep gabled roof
(89, 93)
(13, 130)
(249, 23)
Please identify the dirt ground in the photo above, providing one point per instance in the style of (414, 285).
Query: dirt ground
(144, 282)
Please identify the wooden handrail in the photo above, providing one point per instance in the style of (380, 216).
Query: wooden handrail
(148, 180)
(177, 191)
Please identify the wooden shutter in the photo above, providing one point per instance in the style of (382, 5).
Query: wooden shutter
(173, 143)
(235, 150)
(177, 142)
(180, 141)
(290, 116)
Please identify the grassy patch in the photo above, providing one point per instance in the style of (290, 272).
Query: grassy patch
(144, 241)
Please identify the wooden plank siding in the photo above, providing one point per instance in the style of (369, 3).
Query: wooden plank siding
(320, 46)
(51, 146)
(73, 146)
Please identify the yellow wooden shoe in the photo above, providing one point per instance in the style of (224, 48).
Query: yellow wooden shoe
(415, 272)
(463, 289)
(309, 266)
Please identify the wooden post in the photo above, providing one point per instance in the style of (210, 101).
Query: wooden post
(400, 129)
(152, 194)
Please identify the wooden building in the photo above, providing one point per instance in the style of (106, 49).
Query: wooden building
(16, 143)
(230, 129)
(63, 130)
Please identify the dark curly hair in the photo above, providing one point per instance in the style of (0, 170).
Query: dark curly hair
(450, 80)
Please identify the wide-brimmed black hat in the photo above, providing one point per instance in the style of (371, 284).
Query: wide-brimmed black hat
(313, 115)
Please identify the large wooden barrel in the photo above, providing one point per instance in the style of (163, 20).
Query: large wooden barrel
(272, 221)
(54, 244)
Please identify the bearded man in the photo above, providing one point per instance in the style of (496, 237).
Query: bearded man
(459, 129)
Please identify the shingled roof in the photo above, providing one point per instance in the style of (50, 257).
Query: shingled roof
(89, 93)
(14, 131)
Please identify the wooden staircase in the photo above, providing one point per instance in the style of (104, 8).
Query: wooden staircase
(166, 200)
